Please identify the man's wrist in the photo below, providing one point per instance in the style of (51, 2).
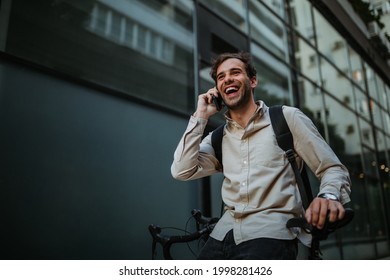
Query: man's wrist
(329, 196)
(201, 115)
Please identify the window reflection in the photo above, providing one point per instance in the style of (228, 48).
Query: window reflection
(301, 13)
(307, 60)
(232, 11)
(267, 30)
(330, 43)
(123, 45)
(361, 103)
(273, 78)
(332, 81)
(276, 6)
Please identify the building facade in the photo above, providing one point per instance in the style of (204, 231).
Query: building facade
(95, 95)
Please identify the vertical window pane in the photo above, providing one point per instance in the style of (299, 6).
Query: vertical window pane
(267, 29)
(307, 60)
(361, 103)
(277, 6)
(232, 11)
(101, 18)
(356, 68)
(330, 43)
(371, 81)
(302, 18)
(116, 20)
(273, 78)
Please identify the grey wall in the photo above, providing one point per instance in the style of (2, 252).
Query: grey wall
(82, 173)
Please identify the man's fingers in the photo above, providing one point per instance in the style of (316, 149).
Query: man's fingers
(322, 209)
(322, 214)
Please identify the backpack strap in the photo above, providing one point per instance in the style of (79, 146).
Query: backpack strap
(285, 141)
(280, 127)
(216, 142)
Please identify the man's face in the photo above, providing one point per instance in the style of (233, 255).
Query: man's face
(234, 84)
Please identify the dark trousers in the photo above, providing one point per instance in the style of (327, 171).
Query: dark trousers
(256, 249)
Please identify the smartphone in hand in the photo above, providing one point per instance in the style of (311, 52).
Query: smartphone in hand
(218, 102)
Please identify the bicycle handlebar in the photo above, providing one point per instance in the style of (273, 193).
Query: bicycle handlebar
(167, 241)
(320, 234)
(328, 228)
(205, 226)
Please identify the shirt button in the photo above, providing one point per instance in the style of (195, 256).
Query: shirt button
(245, 162)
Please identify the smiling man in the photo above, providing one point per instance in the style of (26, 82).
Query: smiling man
(259, 188)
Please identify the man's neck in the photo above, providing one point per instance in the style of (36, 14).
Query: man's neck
(243, 115)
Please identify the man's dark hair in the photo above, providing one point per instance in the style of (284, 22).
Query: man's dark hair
(243, 56)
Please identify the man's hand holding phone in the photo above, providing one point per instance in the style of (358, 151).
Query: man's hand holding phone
(217, 100)
(209, 103)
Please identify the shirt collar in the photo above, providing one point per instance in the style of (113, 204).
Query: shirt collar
(258, 113)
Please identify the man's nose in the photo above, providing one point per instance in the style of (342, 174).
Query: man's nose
(228, 78)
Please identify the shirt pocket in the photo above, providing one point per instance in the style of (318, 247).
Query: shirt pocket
(268, 153)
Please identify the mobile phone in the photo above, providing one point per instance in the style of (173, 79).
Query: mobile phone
(218, 102)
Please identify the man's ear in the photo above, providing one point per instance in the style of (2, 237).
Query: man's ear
(253, 82)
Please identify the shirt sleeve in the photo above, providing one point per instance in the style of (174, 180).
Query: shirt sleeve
(319, 156)
(194, 158)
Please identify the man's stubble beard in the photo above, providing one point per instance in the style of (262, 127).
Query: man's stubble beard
(243, 99)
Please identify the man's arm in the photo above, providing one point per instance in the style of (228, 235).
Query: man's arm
(193, 158)
(321, 159)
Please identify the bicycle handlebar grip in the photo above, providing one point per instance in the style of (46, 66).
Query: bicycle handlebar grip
(197, 214)
(348, 216)
(328, 228)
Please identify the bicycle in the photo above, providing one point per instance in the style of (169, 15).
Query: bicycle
(205, 225)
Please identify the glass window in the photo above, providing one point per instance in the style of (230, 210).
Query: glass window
(371, 82)
(356, 68)
(343, 130)
(367, 140)
(140, 48)
(375, 208)
(387, 123)
(382, 149)
(273, 78)
(383, 99)
(361, 103)
(307, 60)
(268, 30)
(337, 83)
(233, 11)
(330, 43)
(360, 225)
(276, 6)
(377, 114)
(301, 13)
(5, 7)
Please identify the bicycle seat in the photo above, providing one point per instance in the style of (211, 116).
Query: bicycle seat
(328, 228)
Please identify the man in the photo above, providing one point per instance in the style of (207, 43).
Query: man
(259, 189)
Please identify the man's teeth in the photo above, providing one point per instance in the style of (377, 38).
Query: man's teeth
(230, 89)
